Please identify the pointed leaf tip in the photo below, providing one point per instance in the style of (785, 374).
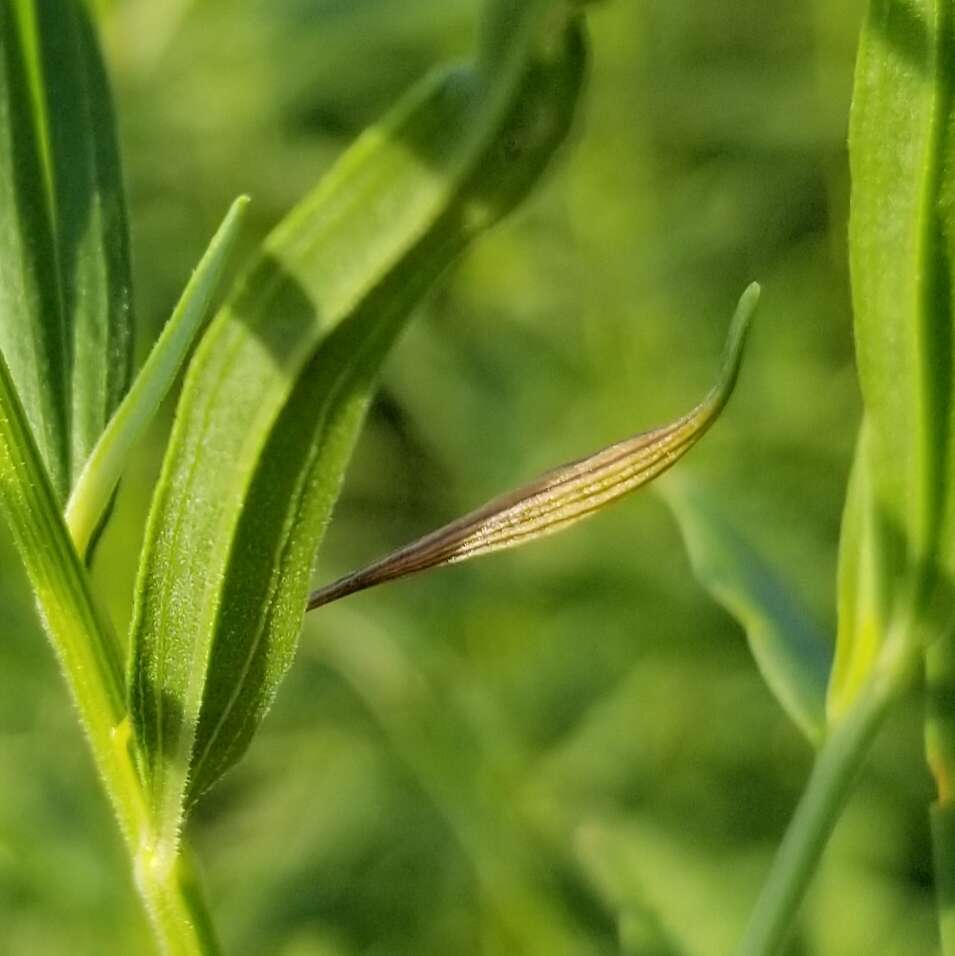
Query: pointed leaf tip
(740, 325)
(565, 495)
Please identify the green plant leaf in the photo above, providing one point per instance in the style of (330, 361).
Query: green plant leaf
(276, 392)
(98, 480)
(790, 651)
(33, 338)
(89, 214)
(66, 296)
(901, 262)
(563, 496)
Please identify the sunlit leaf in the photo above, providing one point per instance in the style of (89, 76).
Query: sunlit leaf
(99, 477)
(278, 388)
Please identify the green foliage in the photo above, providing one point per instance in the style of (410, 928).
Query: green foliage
(902, 281)
(271, 406)
(66, 294)
(100, 475)
(788, 649)
(563, 752)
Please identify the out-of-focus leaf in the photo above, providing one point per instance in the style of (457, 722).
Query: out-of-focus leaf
(66, 293)
(667, 884)
(788, 648)
(277, 390)
(99, 477)
(565, 495)
(863, 591)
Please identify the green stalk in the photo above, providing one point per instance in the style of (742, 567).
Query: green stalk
(90, 660)
(940, 753)
(833, 775)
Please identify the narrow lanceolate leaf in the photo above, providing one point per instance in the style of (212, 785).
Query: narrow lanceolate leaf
(563, 496)
(33, 336)
(89, 215)
(99, 477)
(65, 290)
(276, 392)
(901, 253)
(788, 647)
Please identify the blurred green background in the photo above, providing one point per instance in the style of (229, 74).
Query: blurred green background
(566, 750)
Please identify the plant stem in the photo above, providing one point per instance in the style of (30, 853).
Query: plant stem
(833, 774)
(173, 897)
(940, 753)
(90, 660)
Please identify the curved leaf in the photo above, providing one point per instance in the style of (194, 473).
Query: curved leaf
(789, 650)
(276, 393)
(563, 496)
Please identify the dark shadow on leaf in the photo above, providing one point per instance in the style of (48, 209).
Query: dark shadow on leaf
(905, 31)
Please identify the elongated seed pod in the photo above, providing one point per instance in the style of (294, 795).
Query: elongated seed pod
(563, 496)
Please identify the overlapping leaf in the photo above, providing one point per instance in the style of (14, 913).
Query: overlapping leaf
(276, 393)
(94, 488)
(66, 289)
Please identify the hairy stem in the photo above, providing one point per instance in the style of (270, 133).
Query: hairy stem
(90, 661)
